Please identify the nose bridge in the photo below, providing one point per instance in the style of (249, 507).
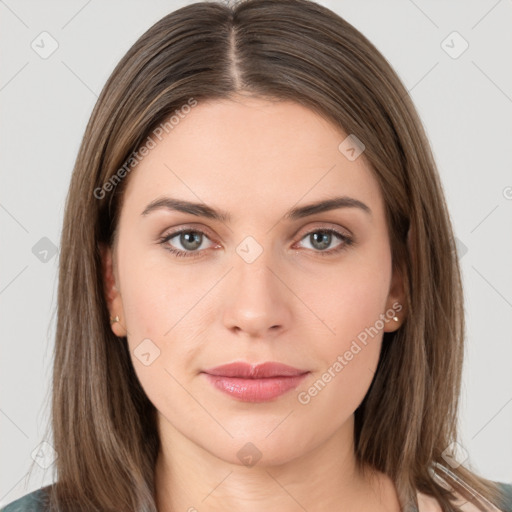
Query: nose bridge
(252, 259)
(256, 301)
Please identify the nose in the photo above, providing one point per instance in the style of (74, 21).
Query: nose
(257, 302)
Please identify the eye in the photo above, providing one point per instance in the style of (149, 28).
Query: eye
(321, 239)
(190, 240)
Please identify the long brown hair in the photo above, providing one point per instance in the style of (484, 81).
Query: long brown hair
(104, 426)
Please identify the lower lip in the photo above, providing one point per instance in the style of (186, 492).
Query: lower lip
(255, 390)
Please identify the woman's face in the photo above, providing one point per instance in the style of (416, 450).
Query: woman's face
(258, 285)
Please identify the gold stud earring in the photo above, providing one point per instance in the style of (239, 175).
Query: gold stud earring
(395, 318)
(114, 320)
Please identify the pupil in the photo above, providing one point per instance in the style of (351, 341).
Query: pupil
(190, 240)
(320, 240)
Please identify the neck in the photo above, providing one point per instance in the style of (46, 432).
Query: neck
(190, 478)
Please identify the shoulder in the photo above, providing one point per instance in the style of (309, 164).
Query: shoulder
(34, 501)
(506, 492)
(429, 504)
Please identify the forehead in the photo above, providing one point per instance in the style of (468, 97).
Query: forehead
(230, 153)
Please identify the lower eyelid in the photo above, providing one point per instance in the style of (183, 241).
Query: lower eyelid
(343, 238)
(167, 238)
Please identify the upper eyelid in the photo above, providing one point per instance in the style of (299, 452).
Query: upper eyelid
(345, 240)
(338, 229)
(206, 231)
(184, 229)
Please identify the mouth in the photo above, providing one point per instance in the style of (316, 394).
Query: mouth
(259, 383)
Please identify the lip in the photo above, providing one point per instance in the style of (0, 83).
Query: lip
(242, 369)
(255, 383)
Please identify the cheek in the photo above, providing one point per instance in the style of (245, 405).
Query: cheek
(332, 395)
(161, 346)
(161, 306)
(156, 294)
(351, 304)
(348, 353)
(348, 299)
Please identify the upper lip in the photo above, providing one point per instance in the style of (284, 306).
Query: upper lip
(249, 371)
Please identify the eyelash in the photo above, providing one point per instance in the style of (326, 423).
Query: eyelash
(346, 242)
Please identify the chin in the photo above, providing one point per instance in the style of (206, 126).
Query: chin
(259, 450)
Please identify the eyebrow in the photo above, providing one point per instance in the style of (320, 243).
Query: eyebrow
(203, 210)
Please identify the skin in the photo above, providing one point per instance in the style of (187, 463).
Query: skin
(255, 159)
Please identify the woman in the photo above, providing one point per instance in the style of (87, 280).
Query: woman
(260, 304)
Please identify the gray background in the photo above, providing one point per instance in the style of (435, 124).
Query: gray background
(465, 104)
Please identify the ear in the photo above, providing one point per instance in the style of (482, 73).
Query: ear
(112, 294)
(395, 303)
